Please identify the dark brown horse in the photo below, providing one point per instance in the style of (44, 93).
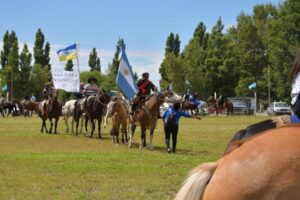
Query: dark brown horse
(54, 109)
(79, 111)
(265, 166)
(50, 108)
(147, 117)
(95, 109)
(29, 107)
(226, 104)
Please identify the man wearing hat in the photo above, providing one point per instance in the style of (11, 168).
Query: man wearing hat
(145, 87)
(91, 89)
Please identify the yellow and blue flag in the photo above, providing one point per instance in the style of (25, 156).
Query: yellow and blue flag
(68, 53)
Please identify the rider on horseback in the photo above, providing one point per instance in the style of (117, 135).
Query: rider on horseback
(145, 87)
(91, 89)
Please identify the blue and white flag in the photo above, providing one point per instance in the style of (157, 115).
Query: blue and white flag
(252, 86)
(125, 79)
(68, 53)
(4, 88)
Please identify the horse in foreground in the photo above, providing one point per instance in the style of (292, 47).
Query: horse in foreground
(265, 166)
(147, 117)
(118, 109)
(212, 101)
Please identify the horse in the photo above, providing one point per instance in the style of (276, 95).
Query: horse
(227, 104)
(68, 111)
(265, 166)
(95, 109)
(54, 109)
(2, 110)
(147, 117)
(29, 107)
(10, 107)
(119, 110)
(79, 113)
(41, 109)
(255, 129)
(189, 106)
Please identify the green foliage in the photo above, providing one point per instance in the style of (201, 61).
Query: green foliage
(69, 65)
(102, 80)
(114, 67)
(172, 47)
(41, 53)
(39, 77)
(175, 72)
(25, 72)
(6, 49)
(94, 61)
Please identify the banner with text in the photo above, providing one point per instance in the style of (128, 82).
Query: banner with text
(66, 80)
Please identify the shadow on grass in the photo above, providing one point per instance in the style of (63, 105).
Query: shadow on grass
(180, 151)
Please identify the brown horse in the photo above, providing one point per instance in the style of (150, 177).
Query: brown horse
(29, 107)
(227, 104)
(189, 106)
(119, 111)
(49, 108)
(95, 109)
(265, 166)
(147, 117)
(54, 109)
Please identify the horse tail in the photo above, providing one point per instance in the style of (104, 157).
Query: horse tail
(193, 187)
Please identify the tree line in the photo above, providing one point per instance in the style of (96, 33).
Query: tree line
(259, 48)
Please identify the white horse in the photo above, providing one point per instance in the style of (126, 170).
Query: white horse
(68, 111)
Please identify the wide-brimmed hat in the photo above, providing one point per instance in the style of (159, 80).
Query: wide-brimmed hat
(145, 74)
(92, 78)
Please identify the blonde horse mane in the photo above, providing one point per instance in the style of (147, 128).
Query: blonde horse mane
(193, 187)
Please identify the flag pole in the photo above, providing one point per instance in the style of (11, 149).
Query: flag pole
(77, 57)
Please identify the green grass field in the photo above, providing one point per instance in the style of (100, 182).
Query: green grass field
(43, 166)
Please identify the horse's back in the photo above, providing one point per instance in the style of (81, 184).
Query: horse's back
(264, 167)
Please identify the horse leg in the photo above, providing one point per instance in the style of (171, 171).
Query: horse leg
(132, 127)
(51, 124)
(66, 122)
(151, 138)
(99, 128)
(55, 125)
(81, 123)
(93, 127)
(143, 138)
(86, 124)
(72, 125)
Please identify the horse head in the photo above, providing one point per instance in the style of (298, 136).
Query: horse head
(112, 106)
(164, 94)
(103, 97)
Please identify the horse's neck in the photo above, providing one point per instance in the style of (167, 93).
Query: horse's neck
(153, 103)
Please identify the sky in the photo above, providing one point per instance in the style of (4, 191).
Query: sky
(144, 26)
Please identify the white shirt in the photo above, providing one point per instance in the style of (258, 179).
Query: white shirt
(295, 89)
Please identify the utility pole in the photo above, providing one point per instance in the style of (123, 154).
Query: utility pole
(269, 86)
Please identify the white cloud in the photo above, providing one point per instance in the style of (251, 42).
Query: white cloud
(141, 60)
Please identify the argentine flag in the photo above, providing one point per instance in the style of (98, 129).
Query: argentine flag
(125, 79)
(68, 53)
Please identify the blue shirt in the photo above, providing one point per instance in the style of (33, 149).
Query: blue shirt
(177, 115)
(195, 101)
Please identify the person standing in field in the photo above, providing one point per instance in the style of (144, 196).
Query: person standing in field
(171, 124)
